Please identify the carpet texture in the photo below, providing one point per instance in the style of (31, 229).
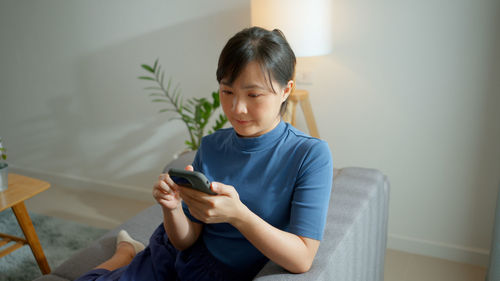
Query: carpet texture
(59, 238)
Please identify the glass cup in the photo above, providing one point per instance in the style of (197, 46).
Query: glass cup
(3, 176)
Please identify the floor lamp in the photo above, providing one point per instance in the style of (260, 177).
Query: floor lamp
(308, 28)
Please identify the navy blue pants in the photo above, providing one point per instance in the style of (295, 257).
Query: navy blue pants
(162, 261)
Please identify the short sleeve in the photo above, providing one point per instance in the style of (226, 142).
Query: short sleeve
(311, 196)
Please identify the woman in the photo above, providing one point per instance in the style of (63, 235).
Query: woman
(273, 183)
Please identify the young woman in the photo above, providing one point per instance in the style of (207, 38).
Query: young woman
(273, 183)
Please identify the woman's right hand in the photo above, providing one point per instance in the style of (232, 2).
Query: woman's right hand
(166, 192)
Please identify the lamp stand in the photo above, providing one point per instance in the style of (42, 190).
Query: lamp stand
(302, 97)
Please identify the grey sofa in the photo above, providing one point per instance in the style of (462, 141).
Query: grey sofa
(353, 248)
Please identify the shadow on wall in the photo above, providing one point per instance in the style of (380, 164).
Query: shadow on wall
(188, 53)
(488, 164)
(488, 177)
(118, 135)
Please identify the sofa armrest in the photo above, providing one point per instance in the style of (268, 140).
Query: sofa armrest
(353, 247)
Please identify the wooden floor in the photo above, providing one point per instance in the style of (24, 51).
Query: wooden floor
(107, 211)
(401, 266)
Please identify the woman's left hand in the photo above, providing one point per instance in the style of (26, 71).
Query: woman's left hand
(223, 207)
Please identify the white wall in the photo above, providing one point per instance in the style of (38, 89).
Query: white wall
(411, 89)
(72, 106)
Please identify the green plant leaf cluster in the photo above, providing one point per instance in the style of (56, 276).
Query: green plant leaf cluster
(3, 151)
(194, 112)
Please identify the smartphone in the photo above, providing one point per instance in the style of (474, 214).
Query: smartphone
(194, 180)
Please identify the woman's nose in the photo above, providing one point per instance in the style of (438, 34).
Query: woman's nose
(239, 106)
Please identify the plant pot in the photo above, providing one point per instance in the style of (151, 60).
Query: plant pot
(179, 154)
(3, 176)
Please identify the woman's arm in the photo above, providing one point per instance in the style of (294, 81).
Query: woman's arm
(292, 252)
(181, 231)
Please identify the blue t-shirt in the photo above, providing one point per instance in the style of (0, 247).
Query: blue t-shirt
(283, 176)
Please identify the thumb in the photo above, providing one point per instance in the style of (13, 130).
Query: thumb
(222, 189)
(189, 168)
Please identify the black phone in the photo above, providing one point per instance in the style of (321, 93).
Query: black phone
(194, 180)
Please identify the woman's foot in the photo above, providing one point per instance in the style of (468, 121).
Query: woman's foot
(124, 238)
(126, 249)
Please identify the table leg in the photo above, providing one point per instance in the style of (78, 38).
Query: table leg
(29, 232)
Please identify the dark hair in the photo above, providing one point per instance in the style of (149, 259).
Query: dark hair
(269, 48)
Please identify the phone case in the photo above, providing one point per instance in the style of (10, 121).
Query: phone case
(194, 180)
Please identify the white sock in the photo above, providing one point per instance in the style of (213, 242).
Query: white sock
(123, 236)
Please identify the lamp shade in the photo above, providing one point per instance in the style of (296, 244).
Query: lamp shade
(307, 24)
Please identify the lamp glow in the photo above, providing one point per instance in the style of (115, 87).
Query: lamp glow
(307, 24)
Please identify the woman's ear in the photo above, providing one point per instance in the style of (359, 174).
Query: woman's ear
(288, 90)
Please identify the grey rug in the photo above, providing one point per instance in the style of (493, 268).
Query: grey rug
(59, 238)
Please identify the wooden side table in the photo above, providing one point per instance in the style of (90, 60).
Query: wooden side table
(20, 189)
(302, 97)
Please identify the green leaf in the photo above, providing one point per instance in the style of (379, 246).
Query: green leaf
(155, 65)
(174, 118)
(194, 112)
(157, 74)
(176, 97)
(148, 68)
(187, 117)
(208, 107)
(156, 95)
(216, 100)
(219, 123)
(176, 89)
(166, 110)
(169, 83)
(146, 78)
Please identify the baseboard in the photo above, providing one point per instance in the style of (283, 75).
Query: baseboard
(68, 181)
(458, 253)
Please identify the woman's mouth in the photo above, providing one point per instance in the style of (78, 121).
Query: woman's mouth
(243, 122)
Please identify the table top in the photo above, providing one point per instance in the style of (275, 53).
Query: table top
(20, 189)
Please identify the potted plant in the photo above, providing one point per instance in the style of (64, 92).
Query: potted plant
(194, 112)
(3, 168)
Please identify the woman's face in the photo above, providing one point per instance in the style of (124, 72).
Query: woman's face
(249, 102)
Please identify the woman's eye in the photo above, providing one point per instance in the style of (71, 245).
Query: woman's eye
(254, 95)
(227, 92)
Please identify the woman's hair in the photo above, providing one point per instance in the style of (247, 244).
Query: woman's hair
(268, 48)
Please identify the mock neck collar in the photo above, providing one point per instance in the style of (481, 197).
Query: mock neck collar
(262, 142)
